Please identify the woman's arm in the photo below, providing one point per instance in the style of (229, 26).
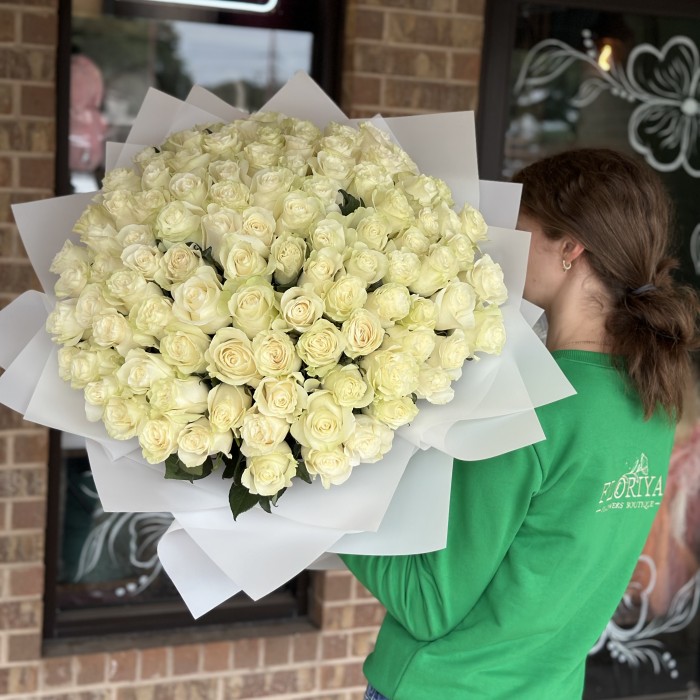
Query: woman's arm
(429, 594)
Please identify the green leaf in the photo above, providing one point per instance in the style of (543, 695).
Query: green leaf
(240, 499)
(303, 472)
(264, 502)
(175, 469)
(350, 203)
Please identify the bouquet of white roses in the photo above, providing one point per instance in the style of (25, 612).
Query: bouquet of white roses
(271, 300)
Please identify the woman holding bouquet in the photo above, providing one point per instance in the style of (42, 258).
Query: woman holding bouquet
(543, 540)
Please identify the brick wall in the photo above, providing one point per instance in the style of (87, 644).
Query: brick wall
(402, 57)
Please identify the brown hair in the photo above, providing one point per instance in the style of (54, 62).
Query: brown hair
(617, 208)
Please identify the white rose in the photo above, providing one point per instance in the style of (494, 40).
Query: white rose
(395, 207)
(179, 222)
(404, 267)
(320, 268)
(112, 329)
(437, 269)
(119, 205)
(155, 176)
(259, 223)
(185, 140)
(222, 144)
(344, 296)
(321, 347)
(325, 424)
(197, 441)
(298, 212)
(487, 278)
(473, 223)
(281, 397)
(363, 333)
(230, 358)
(254, 306)
(65, 358)
(86, 366)
(121, 179)
(413, 240)
(373, 228)
(103, 267)
(275, 354)
(365, 263)
(158, 439)
(329, 233)
(262, 155)
(189, 158)
(419, 342)
(424, 190)
(304, 129)
(295, 161)
(335, 166)
(434, 385)
(125, 288)
(348, 386)
(142, 259)
(124, 417)
(93, 215)
(181, 400)
(63, 325)
(229, 170)
(178, 264)
(134, 234)
(245, 256)
(333, 466)
(141, 369)
(324, 189)
(147, 205)
(300, 307)
(370, 178)
(490, 331)
(72, 280)
(102, 240)
(188, 187)
(370, 441)
(70, 256)
(198, 301)
(463, 250)
(262, 432)
(183, 346)
(390, 302)
(450, 352)
(455, 306)
(217, 223)
(269, 185)
(90, 303)
(227, 406)
(391, 372)
(428, 222)
(393, 412)
(422, 314)
(268, 474)
(288, 253)
(98, 393)
(346, 143)
(152, 315)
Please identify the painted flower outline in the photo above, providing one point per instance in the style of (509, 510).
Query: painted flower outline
(665, 127)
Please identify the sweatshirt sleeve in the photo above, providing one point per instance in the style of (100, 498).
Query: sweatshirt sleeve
(430, 594)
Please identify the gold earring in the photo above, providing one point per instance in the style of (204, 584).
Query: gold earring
(566, 265)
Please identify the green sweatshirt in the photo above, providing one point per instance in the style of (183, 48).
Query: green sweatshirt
(541, 544)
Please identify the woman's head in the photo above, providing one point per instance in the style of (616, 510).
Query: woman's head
(619, 212)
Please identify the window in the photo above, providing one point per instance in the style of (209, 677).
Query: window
(102, 571)
(622, 74)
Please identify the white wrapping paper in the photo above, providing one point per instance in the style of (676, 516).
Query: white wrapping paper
(384, 508)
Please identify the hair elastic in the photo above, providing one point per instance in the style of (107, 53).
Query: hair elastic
(643, 290)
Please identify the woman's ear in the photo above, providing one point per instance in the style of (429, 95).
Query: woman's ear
(571, 248)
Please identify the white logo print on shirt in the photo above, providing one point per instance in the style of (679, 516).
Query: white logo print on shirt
(634, 489)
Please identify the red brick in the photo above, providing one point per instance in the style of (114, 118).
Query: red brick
(18, 679)
(28, 515)
(90, 669)
(305, 647)
(39, 28)
(4, 510)
(334, 646)
(185, 659)
(27, 64)
(20, 483)
(394, 60)
(216, 656)
(154, 663)
(426, 30)
(6, 98)
(38, 101)
(368, 24)
(5, 172)
(121, 666)
(362, 643)
(466, 66)
(336, 586)
(21, 548)
(424, 5)
(471, 7)
(57, 672)
(275, 651)
(36, 173)
(342, 676)
(246, 653)
(24, 647)
(27, 580)
(338, 617)
(31, 448)
(7, 26)
(360, 592)
(367, 615)
(27, 135)
(180, 690)
(361, 89)
(418, 95)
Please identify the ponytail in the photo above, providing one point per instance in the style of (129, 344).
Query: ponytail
(618, 210)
